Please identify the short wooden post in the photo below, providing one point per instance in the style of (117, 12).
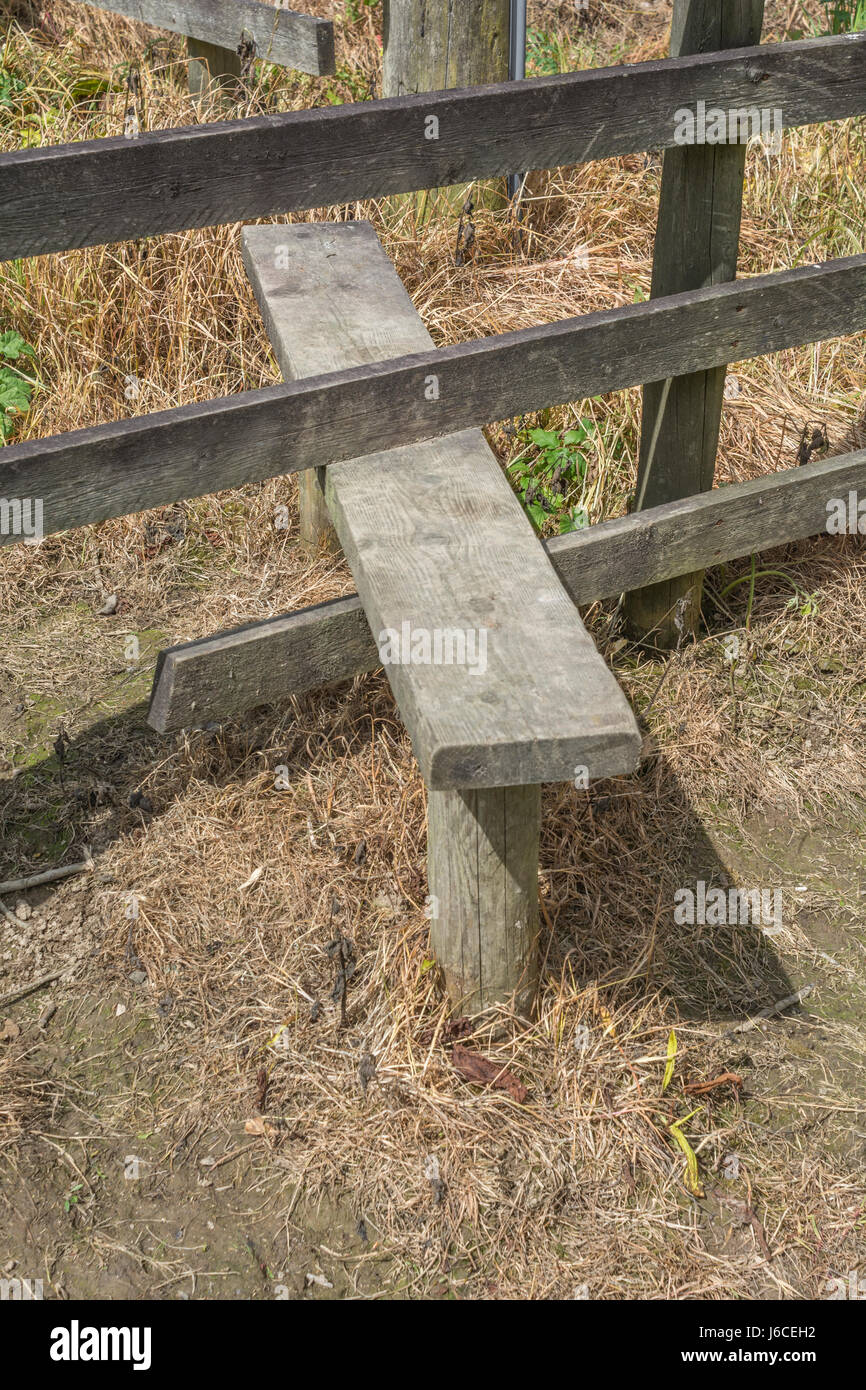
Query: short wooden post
(697, 239)
(482, 867)
(212, 70)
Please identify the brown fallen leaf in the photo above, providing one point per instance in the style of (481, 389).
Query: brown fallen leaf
(10, 1031)
(698, 1088)
(261, 1127)
(481, 1071)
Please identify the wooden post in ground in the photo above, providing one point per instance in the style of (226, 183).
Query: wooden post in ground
(431, 45)
(212, 70)
(697, 240)
(482, 872)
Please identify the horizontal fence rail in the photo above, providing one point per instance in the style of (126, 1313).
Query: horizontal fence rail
(260, 663)
(110, 470)
(281, 36)
(55, 199)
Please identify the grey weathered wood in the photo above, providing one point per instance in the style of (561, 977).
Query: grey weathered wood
(212, 69)
(57, 198)
(482, 871)
(696, 244)
(644, 548)
(311, 349)
(699, 532)
(252, 665)
(281, 36)
(127, 466)
(434, 45)
(416, 526)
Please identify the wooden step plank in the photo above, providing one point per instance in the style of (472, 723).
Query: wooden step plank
(129, 465)
(436, 540)
(263, 662)
(281, 36)
(99, 191)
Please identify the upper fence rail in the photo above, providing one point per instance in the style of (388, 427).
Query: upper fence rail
(281, 36)
(99, 191)
(126, 466)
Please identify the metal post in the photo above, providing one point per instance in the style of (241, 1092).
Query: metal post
(516, 67)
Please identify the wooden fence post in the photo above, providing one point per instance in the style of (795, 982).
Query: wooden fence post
(482, 871)
(212, 70)
(431, 45)
(697, 239)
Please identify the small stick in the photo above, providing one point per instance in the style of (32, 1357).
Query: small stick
(20, 885)
(16, 994)
(773, 1009)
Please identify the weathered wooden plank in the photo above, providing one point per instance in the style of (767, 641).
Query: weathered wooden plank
(106, 190)
(487, 651)
(127, 466)
(258, 664)
(482, 873)
(696, 244)
(281, 36)
(699, 532)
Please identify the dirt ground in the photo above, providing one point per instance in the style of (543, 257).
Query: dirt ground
(202, 1115)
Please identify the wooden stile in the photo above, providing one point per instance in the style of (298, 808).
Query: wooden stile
(219, 677)
(438, 543)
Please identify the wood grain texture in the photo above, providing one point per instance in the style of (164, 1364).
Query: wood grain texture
(438, 544)
(434, 45)
(212, 68)
(281, 36)
(482, 871)
(110, 470)
(601, 562)
(696, 244)
(201, 682)
(85, 194)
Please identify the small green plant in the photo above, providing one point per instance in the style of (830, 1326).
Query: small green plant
(16, 390)
(543, 53)
(550, 475)
(355, 8)
(71, 1199)
(846, 16)
(11, 88)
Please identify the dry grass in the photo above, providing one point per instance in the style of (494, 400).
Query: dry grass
(584, 1184)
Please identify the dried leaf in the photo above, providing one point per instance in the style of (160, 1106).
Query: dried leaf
(698, 1088)
(481, 1071)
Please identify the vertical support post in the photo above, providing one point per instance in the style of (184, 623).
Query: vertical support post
(697, 240)
(431, 45)
(212, 69)
(482, 869)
